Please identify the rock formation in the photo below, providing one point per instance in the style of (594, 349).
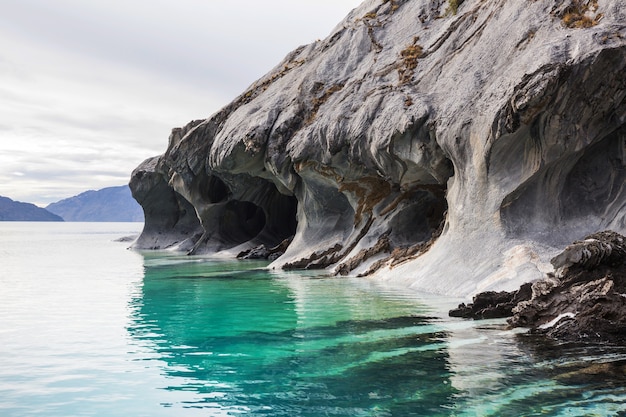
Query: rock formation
(585, 300)
(492, 304)
(444, 146)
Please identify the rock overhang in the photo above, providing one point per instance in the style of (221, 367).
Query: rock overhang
(408, 123)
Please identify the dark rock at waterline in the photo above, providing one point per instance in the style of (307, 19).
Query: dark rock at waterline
(130, 238)
(586, 297)
(584, 300)
(491, 304)
(263, 252)
(259, 252)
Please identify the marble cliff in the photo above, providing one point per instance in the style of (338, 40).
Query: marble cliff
(448, 146)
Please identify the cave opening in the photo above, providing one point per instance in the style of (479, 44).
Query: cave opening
(214, 190)
(595, 184)
(269, 223)
(577, 194)
(241, 221)
(420, 217)
(423, 210)
(282, 218)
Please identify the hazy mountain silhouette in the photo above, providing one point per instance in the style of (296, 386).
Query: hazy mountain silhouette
(112, 204)
(17, 211)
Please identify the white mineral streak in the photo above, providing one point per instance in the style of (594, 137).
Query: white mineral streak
(556, 320)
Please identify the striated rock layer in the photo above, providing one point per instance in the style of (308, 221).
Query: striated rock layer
(444, 149)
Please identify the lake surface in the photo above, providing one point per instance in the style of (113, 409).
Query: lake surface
(89, 328)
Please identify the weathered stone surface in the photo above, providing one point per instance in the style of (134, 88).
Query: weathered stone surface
(491, 304)
(585, 301)
(603, 248)
(587, 298)
(263, 252)
(169, 218)
(501, 124)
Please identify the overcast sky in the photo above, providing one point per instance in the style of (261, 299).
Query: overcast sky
(89, 89)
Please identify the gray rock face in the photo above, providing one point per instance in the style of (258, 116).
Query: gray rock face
(448, 152)
(600, 248)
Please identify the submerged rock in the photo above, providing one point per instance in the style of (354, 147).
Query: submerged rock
(438, 147)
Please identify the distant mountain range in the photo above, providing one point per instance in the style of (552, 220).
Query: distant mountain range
(17, 211)
(112, 204)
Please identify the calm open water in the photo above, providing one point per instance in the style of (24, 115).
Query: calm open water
(89, 328)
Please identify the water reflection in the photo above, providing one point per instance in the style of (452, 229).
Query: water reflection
(499, 372)
(243, 339)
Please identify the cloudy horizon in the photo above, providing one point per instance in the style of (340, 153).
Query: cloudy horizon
(90, 90)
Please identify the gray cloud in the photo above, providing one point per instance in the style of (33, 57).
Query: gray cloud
(196, 41)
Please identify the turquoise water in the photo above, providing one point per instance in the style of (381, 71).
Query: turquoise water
(89, 328)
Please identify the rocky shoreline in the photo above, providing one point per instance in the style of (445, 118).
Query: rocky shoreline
(583, 300)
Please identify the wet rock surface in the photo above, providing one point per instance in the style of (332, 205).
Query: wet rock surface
(492, 305)
(440, 149)
(263, 252)
(585, 300)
